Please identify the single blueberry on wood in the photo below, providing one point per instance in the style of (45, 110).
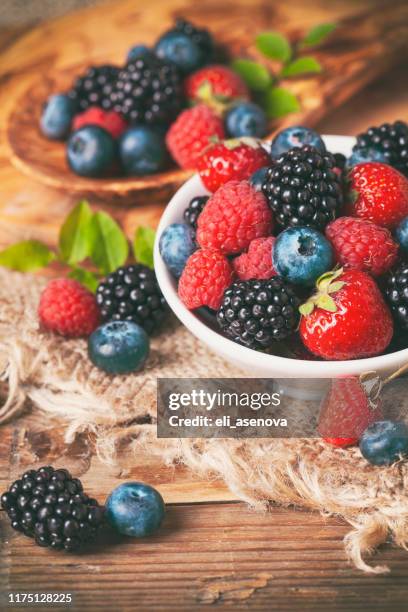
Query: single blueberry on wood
(91, 151)
(142, 150)
(135, 509)
(56, 118)
(118, 347)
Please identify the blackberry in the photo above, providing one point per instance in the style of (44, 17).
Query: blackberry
(391, 139)
(340, 160)
(132, 294)
(50, 506)
(148, 90)
(396, 293)
(94, 88)
(255, 313)
(193, 210)
(201, 37)
(302, 189)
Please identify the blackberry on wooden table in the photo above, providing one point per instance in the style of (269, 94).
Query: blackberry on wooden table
(256, 313)
(50, 506)
(391, 139)
(94, 87)
(396, 293)
(302, 188)
(132, 294)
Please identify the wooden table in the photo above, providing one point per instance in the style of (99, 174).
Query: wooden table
(212, 550)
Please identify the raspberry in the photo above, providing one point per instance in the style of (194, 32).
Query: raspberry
(257, 262)
(361, 245)
(222, 80)
(110, 121)
(233, 217)
(191, 133)
(69, 309)
(204, 279)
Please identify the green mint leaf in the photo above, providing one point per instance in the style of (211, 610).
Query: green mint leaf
(85, 277)
(75, 236)
(274, 45)
(26, 256)
(255, 75)
(318, 34)
(143, 244)
(278, 102)
(302, 65)
(110, 247)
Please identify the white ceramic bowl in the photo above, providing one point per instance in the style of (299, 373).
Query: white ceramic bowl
(255, 363)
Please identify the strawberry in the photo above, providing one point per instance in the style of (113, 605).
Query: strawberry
(215, 81)
(379, 193)
(231, 160)
(347, 411)
(347, 318)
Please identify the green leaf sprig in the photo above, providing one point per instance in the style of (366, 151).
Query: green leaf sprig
(278, 101)
(85, 236)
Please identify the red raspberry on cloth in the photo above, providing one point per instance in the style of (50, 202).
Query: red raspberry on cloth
(205, 277)
(361, 245)
(69, 309)
(222, 80)
(234, 215)
(110, 121)
(257, 262)
(231, 160)
(191, 133)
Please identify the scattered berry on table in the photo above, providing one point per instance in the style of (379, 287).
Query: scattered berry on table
(363, 155)
(194, 210)
(384, 442)
(204, 279)
(191, 133)
(142, 150)
(301, 255)
(148, 90)
(302, 188)
(361, 245)
(135, 509)
(68, 309)
(222, 81)
(396, 293)
(257, 179)
(378, 193)
(132, 294)
(57, 116)
(50, 506)
(389, 139)
(91, 151)
(176, 245)
(94, 87)
(246, 119)
(256, 313)
(401, 234)
(296, 136)
(137, 52)
(110, 121)
(347, 318)
(119, 347)
(257, 262)
(234, 215)
(231, 160)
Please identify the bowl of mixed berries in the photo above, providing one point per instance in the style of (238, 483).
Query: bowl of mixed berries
(288, 258)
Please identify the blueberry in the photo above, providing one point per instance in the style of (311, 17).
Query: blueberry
(301, 255)
(118, 347)
(384, 442)
(91, 151)
(257, 179)
(142, 150)
(137, 52)
(401, 234)
(181, 50)
(176, 245)
(246, 119)
(296, 137)
(56, 117)
(135, 509)
(365, 154)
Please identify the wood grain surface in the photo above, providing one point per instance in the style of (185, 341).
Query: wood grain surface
(212, 551)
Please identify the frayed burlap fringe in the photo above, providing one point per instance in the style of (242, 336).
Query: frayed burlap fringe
(44, 372)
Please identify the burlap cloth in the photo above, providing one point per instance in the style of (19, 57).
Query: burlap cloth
(46, 373)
